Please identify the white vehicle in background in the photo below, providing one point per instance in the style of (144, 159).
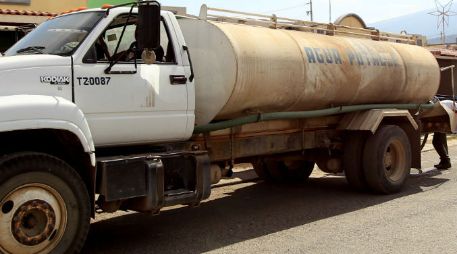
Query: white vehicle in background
(134, 108)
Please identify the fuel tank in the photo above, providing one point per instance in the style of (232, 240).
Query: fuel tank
(242, 69)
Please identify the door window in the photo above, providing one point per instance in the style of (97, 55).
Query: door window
(104, 49)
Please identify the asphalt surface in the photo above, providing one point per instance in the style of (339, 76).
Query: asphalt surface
(321, 216)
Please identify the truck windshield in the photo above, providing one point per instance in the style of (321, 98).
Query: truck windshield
(59, 36)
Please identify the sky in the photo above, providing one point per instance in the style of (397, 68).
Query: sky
(370, 10)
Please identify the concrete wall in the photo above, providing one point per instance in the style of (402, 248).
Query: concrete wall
(58, 6)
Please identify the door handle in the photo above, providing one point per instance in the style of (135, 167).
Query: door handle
(178, 79)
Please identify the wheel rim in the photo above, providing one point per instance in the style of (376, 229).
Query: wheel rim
(394, 161)
(33, 219)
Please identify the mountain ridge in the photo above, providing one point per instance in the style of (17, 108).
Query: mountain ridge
(419, 23)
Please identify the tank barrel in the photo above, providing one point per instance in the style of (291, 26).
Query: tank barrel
(242, 70)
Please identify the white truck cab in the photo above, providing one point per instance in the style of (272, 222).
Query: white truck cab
(131, 104)
(75, 83)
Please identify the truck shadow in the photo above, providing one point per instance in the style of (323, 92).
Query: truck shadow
(238, 215)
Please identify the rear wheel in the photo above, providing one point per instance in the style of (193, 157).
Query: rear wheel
(284, 171)
(387, 159)
(44, 205)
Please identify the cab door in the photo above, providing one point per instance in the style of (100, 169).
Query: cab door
(134, 103)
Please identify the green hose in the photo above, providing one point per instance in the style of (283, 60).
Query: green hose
(303, 114)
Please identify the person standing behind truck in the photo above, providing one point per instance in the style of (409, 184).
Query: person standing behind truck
(440, 144)
(440, 141)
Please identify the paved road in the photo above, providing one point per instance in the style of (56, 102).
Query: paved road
(322, 216)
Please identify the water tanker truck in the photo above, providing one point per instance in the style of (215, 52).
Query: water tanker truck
(135, 108)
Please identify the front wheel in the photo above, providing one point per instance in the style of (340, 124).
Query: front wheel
(44, 204)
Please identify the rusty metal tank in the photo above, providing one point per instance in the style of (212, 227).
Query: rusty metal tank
(242, 69)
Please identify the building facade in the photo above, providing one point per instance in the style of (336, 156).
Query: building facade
(54, 6)
(17, 17)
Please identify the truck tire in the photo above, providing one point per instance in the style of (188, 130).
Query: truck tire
(298, 170)
(284, 171)
(354, 144)
(387, 159)
(261, 170)
(44, 204)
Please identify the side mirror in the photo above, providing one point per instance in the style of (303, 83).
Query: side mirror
(148, 26)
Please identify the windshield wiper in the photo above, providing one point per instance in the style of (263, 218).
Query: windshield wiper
(36, 49)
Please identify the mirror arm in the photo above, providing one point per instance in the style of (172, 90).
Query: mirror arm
(191, 78)
(115, 61)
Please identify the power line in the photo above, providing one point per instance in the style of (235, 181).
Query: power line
(284, 9)
(308, 12)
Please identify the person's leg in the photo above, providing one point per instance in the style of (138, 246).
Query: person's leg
(440, 145)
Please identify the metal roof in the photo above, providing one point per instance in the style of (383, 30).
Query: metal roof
(444, 52)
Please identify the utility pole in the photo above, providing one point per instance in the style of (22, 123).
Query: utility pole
(329, 11)
(310, 12)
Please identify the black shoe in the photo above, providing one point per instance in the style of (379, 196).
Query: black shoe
(444, 164)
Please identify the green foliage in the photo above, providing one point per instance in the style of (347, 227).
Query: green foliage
(99, 3)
